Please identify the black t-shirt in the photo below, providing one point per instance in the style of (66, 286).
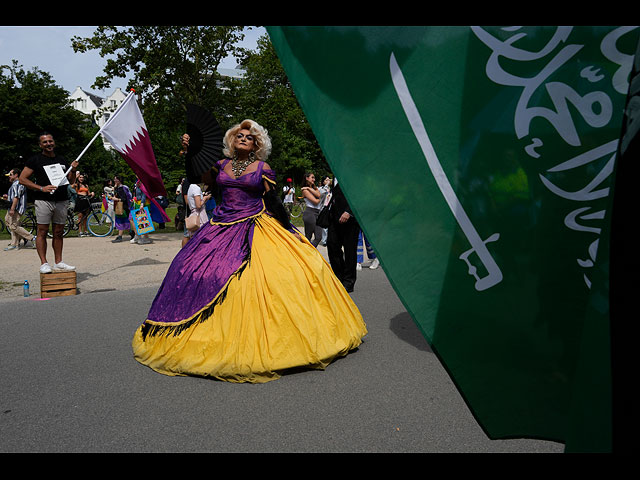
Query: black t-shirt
(37, 164)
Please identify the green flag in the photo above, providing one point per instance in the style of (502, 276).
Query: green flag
(479, 163)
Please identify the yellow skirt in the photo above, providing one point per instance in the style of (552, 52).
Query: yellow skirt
(287, 309)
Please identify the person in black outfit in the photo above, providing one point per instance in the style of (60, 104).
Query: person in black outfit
(342, 239)
(51, 201)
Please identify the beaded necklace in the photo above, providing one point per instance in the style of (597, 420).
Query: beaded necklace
(239, 166)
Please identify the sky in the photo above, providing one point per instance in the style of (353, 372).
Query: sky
(49, 49)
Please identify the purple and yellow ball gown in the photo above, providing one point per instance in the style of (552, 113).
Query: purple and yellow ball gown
(245, 299)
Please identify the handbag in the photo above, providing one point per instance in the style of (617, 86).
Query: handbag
(82, 204)
(119, 208)
(323, 217)
(192, 222)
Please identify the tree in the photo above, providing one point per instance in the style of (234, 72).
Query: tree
(178, 62)
(31, 103)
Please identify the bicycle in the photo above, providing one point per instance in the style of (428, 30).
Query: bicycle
(99, 223)
(28, 220)
(296, 208)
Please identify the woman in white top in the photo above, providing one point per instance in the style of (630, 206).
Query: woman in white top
(311, 196)
(325, 198)
(197, 201)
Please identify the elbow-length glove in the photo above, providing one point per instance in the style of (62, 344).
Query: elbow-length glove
(274, 205)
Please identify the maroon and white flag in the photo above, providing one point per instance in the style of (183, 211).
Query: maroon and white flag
(127, 133)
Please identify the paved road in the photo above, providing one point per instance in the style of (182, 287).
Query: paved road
(69, 383)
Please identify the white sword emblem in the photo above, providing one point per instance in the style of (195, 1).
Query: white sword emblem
(478, 245)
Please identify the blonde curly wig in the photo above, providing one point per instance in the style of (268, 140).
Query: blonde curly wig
(262, 141)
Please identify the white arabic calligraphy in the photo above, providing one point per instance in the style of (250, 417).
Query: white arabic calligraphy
(595, 108)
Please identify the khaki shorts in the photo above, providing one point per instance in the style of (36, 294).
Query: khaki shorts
(51, 212)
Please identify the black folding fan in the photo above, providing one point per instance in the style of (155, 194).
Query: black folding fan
(205, 143)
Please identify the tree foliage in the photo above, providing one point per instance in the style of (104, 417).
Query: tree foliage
(169, 67)
(179, 62)
(30, 104)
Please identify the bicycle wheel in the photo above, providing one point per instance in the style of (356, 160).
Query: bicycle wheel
(100, 224)
(28, 222)
(71, 224)
(297, 209)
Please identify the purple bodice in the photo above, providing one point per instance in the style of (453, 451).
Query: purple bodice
(242, 196)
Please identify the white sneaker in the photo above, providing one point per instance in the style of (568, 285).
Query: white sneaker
(45, 268)
(358, 266)
(375, 264)
(134, 240)
(64, 266)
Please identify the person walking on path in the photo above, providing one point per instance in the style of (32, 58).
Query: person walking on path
(17, 197)
(122, 199)
(51, 201)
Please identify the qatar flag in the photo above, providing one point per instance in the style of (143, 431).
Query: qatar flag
(127, 133)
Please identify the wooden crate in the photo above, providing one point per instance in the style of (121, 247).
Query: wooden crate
(57, 284)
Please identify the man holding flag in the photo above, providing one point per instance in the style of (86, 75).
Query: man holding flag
(50, 199)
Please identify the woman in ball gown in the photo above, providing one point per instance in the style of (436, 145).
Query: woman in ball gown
(248, 297)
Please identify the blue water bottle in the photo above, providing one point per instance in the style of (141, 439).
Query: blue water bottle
(26, 288)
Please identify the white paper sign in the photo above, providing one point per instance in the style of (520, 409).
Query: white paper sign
(56, 174)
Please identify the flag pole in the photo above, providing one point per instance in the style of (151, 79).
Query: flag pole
(87, 147)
